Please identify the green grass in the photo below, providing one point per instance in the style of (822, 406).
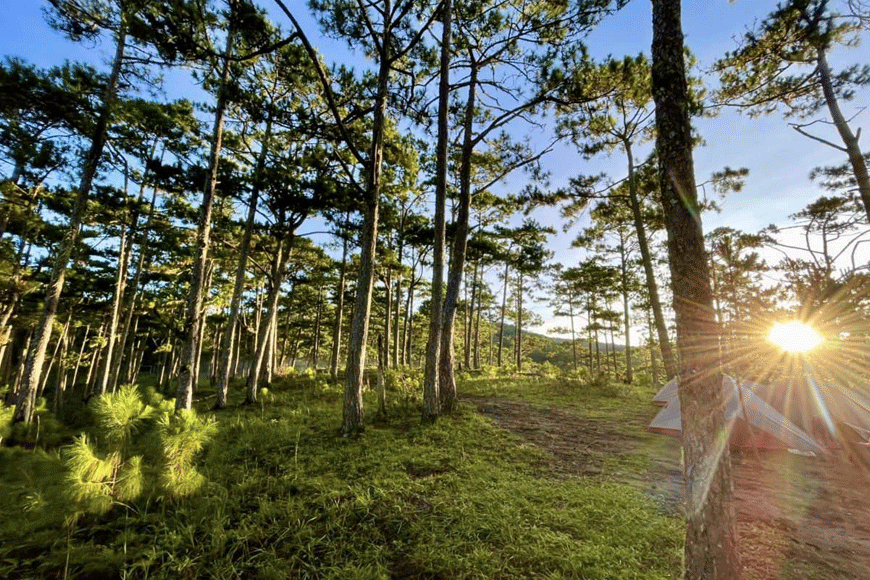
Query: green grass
(288, 498)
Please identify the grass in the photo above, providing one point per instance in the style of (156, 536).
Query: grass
(287, 498)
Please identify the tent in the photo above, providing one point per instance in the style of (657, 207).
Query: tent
(770, 429)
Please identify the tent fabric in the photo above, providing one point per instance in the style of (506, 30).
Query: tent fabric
(824, 410)
(770, 429)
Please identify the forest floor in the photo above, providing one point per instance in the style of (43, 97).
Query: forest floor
(798, 517)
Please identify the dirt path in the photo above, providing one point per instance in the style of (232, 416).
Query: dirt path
(799, 517)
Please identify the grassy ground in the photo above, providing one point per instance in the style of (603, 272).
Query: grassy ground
(287, 498)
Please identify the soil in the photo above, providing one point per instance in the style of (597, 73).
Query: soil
(798, 517)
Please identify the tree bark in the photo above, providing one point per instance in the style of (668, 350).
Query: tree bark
(711, 536)
(651, 284)
(850, 140)
(339, 313)
(353, 415)
(189, 374)
(229, 337)
(629, 372)
(432, 380)
(447, 379)
(279, 265)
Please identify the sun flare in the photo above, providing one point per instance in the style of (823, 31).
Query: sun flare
(794, 336)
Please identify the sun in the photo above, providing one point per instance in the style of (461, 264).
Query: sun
(794, 336)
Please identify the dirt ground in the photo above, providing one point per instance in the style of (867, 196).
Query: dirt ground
(798, 517)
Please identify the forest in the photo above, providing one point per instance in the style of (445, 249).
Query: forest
(384, 288)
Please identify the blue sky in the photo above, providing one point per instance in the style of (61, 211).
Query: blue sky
(778, 158)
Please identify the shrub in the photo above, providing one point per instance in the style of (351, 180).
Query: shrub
(103, 470)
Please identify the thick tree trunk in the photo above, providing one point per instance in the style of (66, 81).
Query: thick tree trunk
(33, 367)
(432, 379)
(711, 536)
(189, 374)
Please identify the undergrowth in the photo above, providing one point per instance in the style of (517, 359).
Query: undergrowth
(284, 497)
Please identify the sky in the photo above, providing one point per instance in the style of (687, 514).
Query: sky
(779, 160)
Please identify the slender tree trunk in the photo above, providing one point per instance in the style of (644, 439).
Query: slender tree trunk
(469, 324)
(120, 282)
(339, 314)
(397, 298)
(80, 357)
(53, 359)
(388, 312)
(432, 378)
(33, 367)
(477, 325)
(279, 265)
(503, 313)
(447, 379)
(223, 376)
(519, 337)
(316, 346)
(409, 326)
(134, 287)
(652, 286)
(711, 535)
(189, 374)
(629, 372)
(382, 383)
(573, 335)
(850, 140)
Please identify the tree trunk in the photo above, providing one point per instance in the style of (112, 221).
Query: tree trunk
(651, 284)
(353, 415)
(189, 374)
(339, 313)
(388, 312)
(503, 312)
(316, 345)
(447, 380)
(120, 283)
(33, 367)
(477, 325)
(279, 265)
(629, 372)
(519, 335)
(229, 338)
(573, 334)
(711, 535)
(134, 287)
(432, 379)
(850, 140)
(382, 383)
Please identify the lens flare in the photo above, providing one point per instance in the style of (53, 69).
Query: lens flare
(794, 336)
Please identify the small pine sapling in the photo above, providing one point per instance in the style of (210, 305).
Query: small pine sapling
(182, 435)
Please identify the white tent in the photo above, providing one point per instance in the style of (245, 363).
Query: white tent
(769, 428)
